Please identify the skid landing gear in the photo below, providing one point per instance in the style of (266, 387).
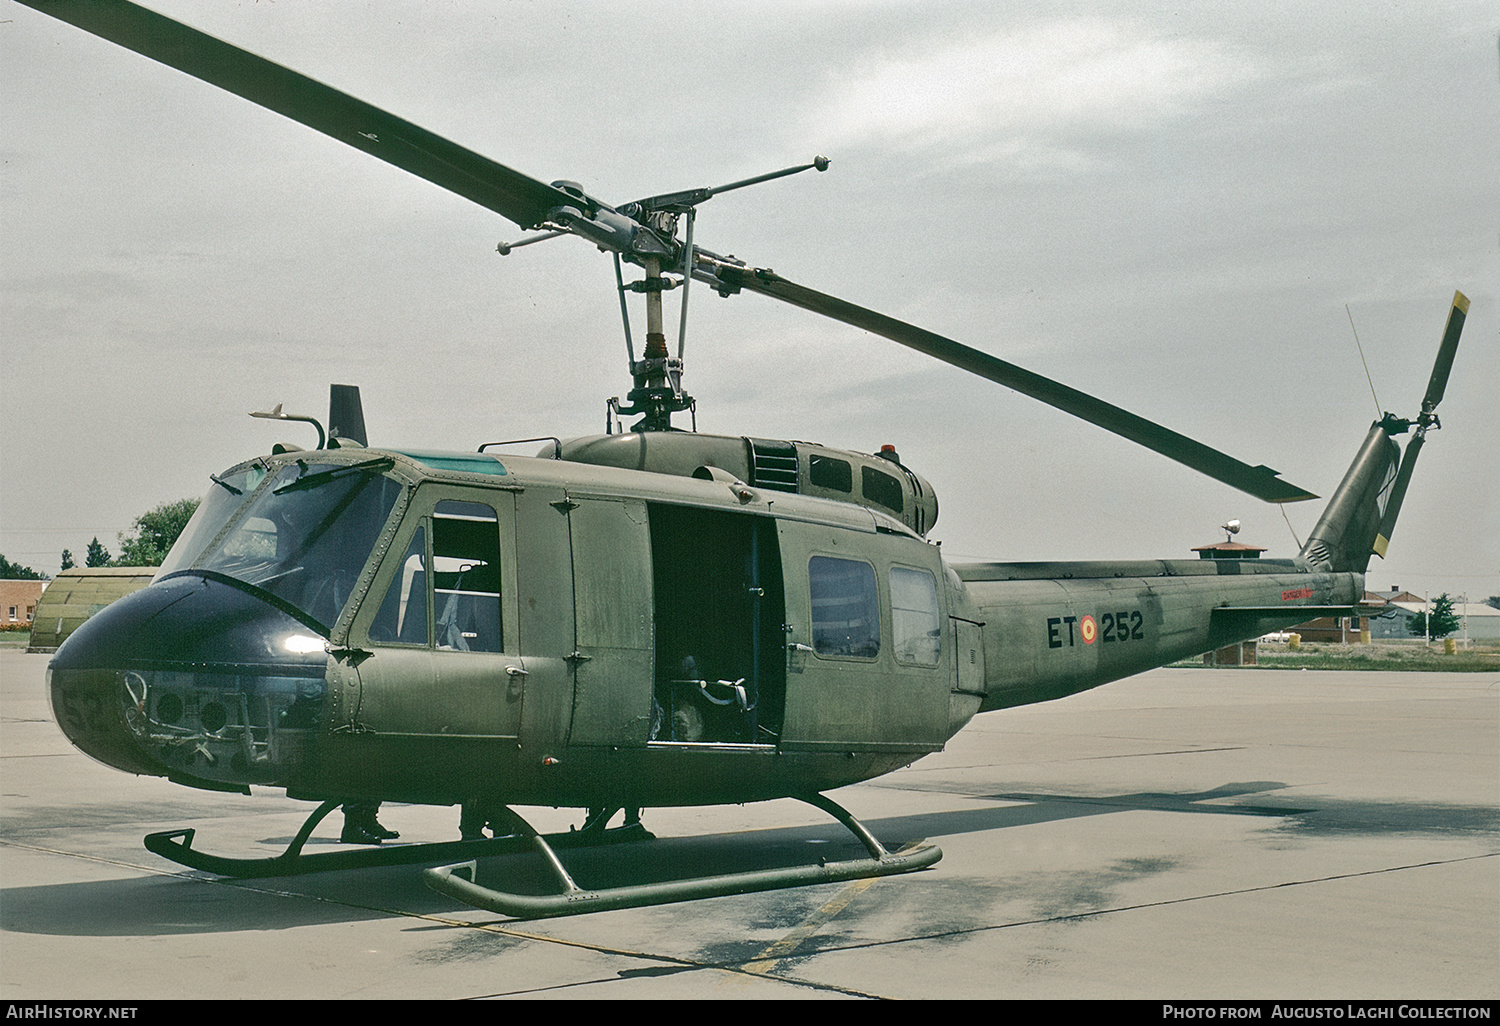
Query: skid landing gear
(461, 881)
(177, 845)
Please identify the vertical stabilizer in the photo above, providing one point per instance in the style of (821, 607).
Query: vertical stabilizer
(1345, 536)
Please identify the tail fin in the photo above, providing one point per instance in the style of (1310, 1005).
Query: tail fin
(1345, 536)
(1362, 513)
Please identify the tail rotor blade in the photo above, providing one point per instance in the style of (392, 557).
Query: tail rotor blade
(1436, 386)
(1398, 493)
(1438, 383)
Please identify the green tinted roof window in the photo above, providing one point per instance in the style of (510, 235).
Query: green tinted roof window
(458, 462)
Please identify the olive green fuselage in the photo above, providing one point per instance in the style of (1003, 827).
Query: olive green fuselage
(551, 632)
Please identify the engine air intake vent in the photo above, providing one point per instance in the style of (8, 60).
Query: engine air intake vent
(773, 465)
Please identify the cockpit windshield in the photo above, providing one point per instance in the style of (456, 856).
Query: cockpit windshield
(230, 491)
(303, 536)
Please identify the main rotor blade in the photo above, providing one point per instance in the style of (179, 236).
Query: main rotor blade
(508, 193)
(1261, 481)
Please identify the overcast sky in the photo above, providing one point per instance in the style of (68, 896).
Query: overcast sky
(1172, 206)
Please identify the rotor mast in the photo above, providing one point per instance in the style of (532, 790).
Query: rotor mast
(645, 233)
(658, 375)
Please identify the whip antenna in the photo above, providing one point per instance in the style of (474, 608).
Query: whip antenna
(1378, 409)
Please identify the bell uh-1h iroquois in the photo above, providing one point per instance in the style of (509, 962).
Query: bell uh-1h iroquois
(649, 617)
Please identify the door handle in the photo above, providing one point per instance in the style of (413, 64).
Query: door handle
(517, 678)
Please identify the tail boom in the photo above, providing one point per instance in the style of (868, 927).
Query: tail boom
(1055, 629)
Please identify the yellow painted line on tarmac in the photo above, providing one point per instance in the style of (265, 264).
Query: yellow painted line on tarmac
(772, 956)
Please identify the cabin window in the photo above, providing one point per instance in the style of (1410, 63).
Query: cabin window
(403, 612)
(834, 474)
(845, 608)
(459, 580)
(882, 488)
(466, 577)
(916, 630)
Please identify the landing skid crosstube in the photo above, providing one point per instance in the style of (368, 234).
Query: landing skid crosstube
(460, 881)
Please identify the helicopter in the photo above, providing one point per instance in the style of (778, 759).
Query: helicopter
(648, 617)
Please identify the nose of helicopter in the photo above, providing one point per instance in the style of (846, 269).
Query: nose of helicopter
(195, 679)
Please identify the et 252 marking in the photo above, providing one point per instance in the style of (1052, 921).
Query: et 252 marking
(1125, 625)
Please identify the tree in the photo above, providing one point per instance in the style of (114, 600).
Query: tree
(154, 533)
(97, 555)
(1493, 600)
(67, 560)
(1441, 623)
(16, 572)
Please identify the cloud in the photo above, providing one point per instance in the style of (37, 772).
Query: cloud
(1032, 96)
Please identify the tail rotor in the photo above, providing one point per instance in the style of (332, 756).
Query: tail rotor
(1360, 516)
